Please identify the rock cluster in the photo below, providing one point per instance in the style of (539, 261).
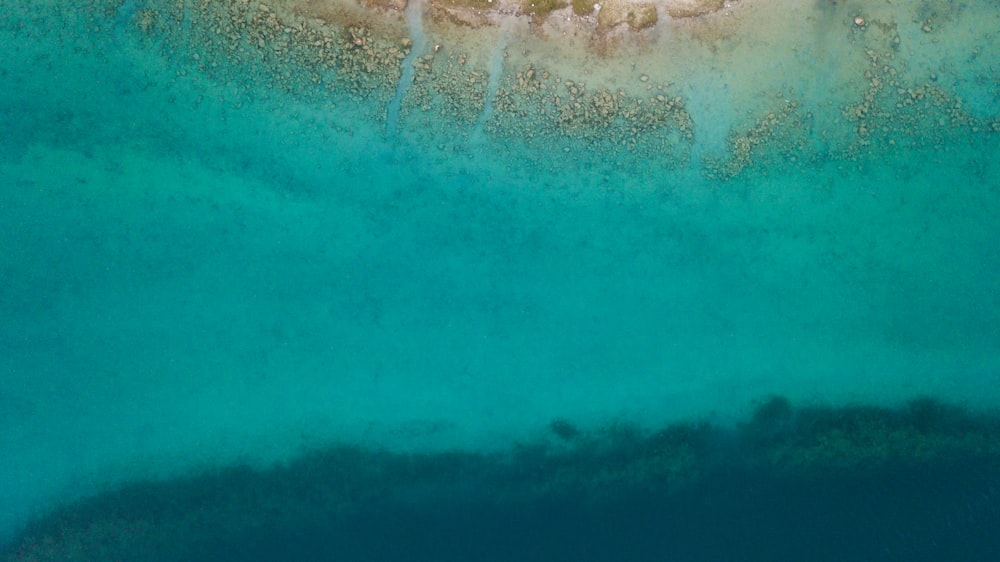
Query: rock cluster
(894, 108)
(330, 56)
(765, 130)
(542, 109)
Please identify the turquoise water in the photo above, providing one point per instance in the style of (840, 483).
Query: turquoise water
(205, 265)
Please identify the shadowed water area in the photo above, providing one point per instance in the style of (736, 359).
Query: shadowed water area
(302, 280)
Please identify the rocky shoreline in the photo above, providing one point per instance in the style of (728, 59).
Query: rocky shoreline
(600, 16)
(570, 83)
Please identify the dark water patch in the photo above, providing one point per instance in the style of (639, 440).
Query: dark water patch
(920, 482)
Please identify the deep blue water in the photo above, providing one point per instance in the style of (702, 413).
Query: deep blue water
(936, 514)
(609, 502)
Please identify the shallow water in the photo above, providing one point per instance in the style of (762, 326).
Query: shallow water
(225, 258)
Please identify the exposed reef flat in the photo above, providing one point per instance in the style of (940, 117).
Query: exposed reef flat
(725, 86)
(634, 14)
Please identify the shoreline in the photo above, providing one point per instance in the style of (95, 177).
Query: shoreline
(719, 88)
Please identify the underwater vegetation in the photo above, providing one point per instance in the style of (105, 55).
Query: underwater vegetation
(910, 483)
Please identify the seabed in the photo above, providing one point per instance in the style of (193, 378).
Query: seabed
(495, 280)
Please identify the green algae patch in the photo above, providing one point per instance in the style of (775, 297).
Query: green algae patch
(642, 16)
(583, 7)
(462, 13)
(540, 9)
(637, 15)
(692, 8)
(471, 4)
(395, 5)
